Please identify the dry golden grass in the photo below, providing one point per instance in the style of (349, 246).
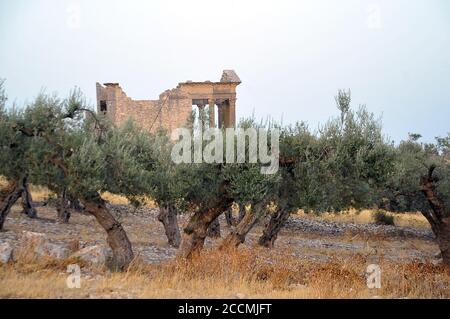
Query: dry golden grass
(3, 181)
(413, 219)
(115, 199)
(224, 274)
(251, 271)
(40, 193)
(122, 200)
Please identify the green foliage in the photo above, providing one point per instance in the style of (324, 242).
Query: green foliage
(245, 181)
(169, 183)
(58, 146)
(3, 97)
(347, 163)
(13, 145)
(413, 160)
(344, 165)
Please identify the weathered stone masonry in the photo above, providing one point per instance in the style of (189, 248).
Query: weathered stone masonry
(173, 108)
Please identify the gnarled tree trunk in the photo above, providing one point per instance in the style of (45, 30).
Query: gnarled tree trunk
(195, 232)
(229, 217)
(270, 232)
(74, 203)
(116, 236)
(214, 229)
(168, 217)
(443, 240)
(62, 208)
(437, 216)
(250, 219)
(10, 197)
(27, 201)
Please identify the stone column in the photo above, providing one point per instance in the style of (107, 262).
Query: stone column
(201, 119)
(221, 113)
(231, 110)
(212, 105)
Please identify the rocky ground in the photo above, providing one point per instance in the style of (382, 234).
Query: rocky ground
(302, 237)
(323, 250)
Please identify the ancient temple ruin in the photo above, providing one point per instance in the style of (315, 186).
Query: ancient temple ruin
(173, 108)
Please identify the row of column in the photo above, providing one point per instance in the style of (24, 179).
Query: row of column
(226, 113)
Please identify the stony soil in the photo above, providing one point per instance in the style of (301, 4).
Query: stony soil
(303, 237)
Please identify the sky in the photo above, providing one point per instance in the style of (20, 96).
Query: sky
(292, 56)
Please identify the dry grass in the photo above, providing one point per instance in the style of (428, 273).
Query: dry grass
(3, 181)
(414, 219)
(115, 199)
(251, 271)
(224, 274)
(39, 193)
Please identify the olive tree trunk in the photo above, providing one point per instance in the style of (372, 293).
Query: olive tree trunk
(214, 229)
(14, 191)
(443, 240)
(116, 235)
(62, 208)
(168, 217)
(74, 203)
(251, 218)
(241, 213)
(27, 201)
(273, 227)
(11, 195)
(229, 217)
(437, 215)
(195, 232)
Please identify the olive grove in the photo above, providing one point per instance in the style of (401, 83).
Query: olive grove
(346, 163)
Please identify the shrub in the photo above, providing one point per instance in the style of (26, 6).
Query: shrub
(383, 218)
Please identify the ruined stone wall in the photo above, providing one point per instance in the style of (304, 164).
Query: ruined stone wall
(169, 112)
(175, 113)
(143, 112)
(173, 108)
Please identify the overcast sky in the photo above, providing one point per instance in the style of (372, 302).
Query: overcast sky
(292, 56)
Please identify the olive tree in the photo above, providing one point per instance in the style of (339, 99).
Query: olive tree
(421, 182)
(85, 156)
(168, 188)
(344, 165)
(14, 163)
(208, 197)
(247, 183)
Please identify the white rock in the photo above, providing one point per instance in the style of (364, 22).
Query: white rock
(29, 238)
(58, 251)
(94, 254)
(240, 296)
(6, 252)
(41, 246)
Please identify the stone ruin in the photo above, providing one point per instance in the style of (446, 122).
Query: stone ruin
(174, 107)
